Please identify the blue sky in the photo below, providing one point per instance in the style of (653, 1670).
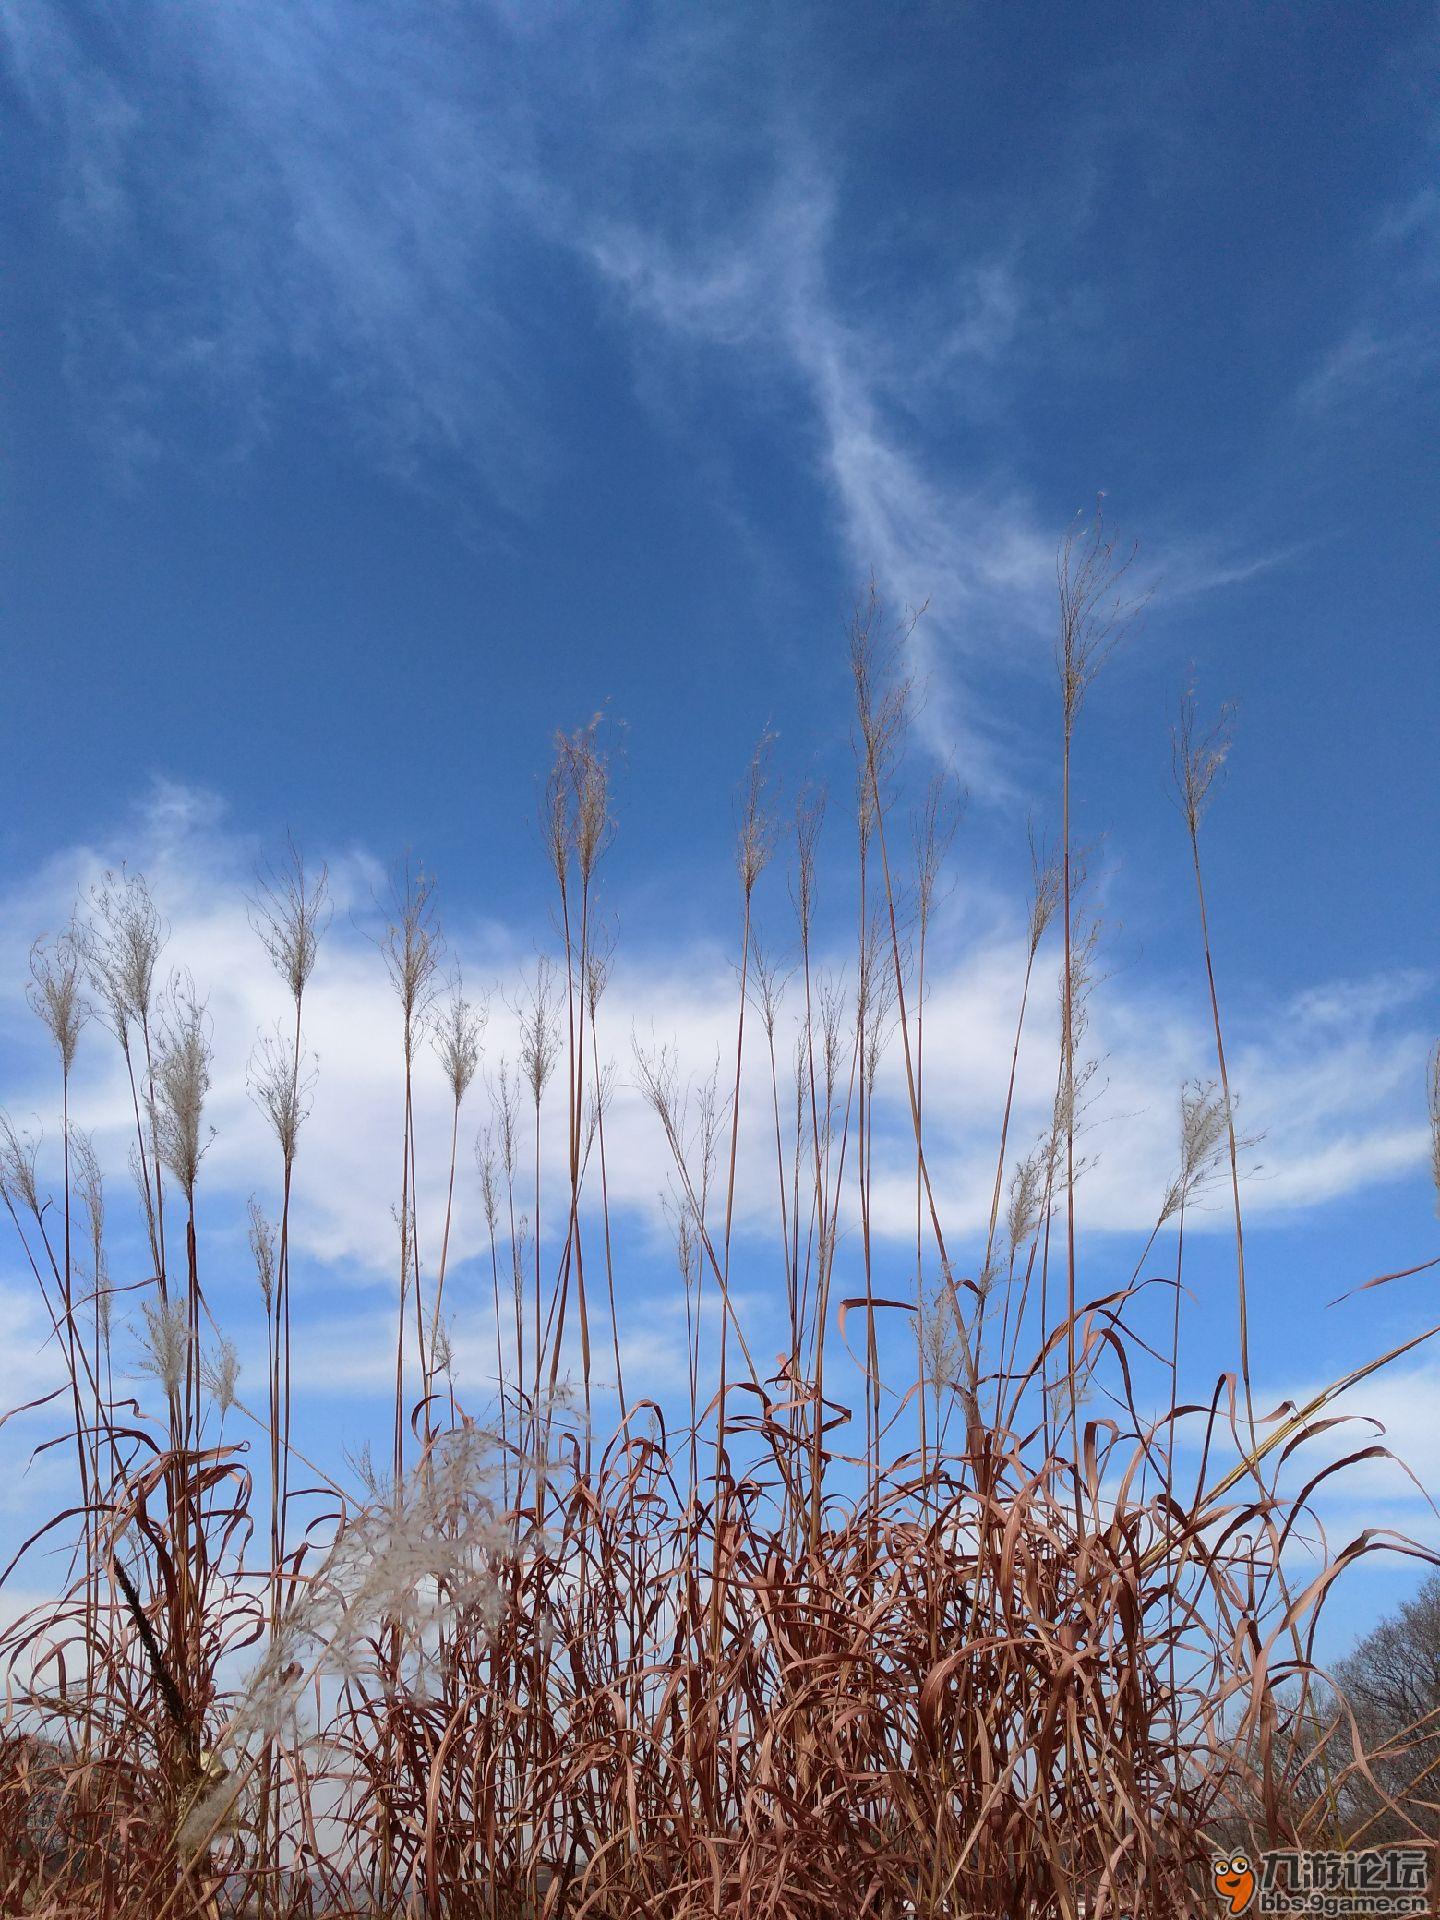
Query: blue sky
(381, 389)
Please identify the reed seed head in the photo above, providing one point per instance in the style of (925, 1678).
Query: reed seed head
(18, 1179)
(180, 1082)
(755, 836)
(262, 1247)
(121, 946)
(809, 818)
(281, 1083)
(933, 832)
(1095, 612)
(289, 913)
(412, 947)
(165, 1343)
(883, 691)
(599, 962)
(579, 825)
(539, 1030)
(222, 1372)
(54, 993)
(489, 1189)
(1197, 758)
(1027, 1192)
(456, 1040)
(1045, 889)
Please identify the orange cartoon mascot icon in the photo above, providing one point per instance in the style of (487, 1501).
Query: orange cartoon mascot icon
(1235, 1881)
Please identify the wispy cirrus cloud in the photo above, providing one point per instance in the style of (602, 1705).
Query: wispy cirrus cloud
(967, 539)
(335, 211)
(360, 212)
(1391, 345)
(974, 551)
(369, 227)
(1370, 364)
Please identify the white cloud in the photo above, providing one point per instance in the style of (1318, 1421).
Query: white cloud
(1332, 1079)
(1390, 345)
(976, 551)
(1355, 366)
(29, 1362)
(1390, 1415)
(366, 210)
(345, 209)
(967, 540)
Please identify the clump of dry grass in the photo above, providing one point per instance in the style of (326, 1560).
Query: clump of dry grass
(1006, 1658)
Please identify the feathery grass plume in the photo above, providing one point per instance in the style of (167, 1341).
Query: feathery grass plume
(594, 822)
(486, 1167)
(403, 1215)
(940, 1340)
(687, 1248)
(413, 1557)
(1203, 1136)
(412, 947)
(54, 993)
(165, 1343)
(1027, 1193)
(1095, 610)
(1198, 758)
(658, 1078)
(289, 914)
(755, 835)
(1075, 1096)
(222, 1373)
(518, 1247)
(883, 691)
(809, 819)
(121, 944)
(211, 1811)
(262, 1247)
(90, 1189)
(19, 1153)
(834, 1022)
(281, 1082)
(539, 1019)
(1077, 983)
(875, 1001)
(181, 1081)
(599, 1098)
(456, 1039)
(578, 820)
(507, 1120)
(933, 831)
(1045, 882)
(767, 990)
(1207, 1121)
(599, 962)
(1434, 1104)
(710, 1115)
